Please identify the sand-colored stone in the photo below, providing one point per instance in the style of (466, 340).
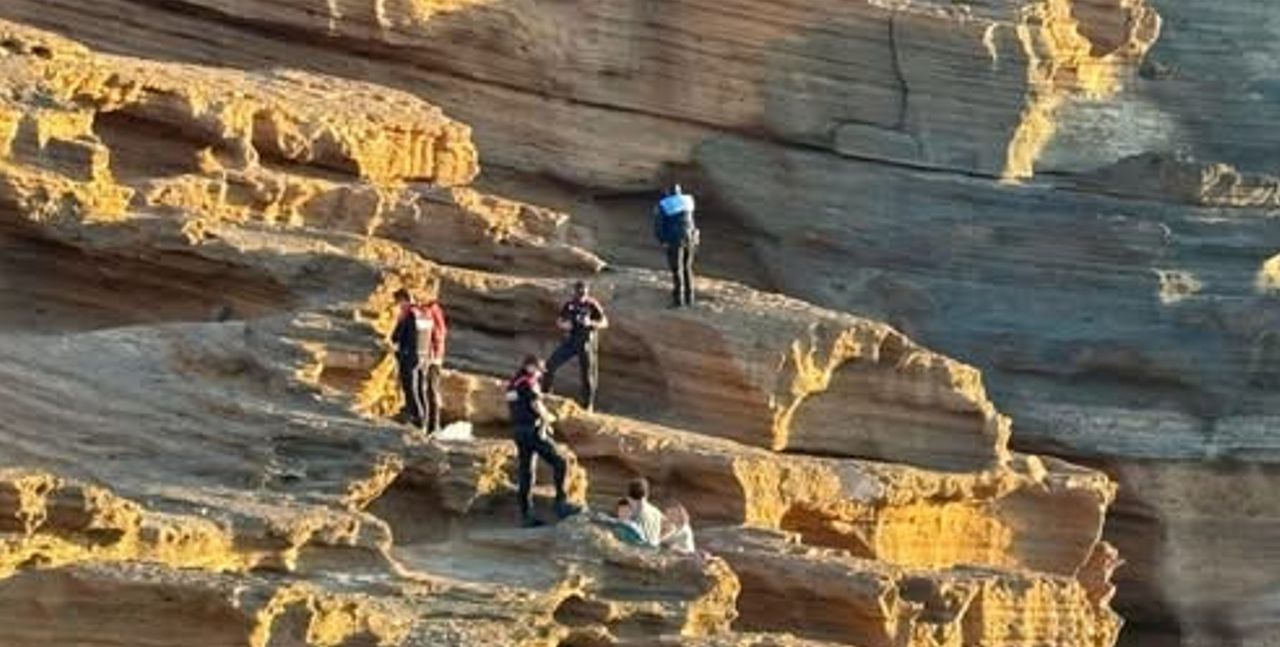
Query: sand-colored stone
(1126, 330)
(1121, 306)
(977, 87)
(878, 605)
(194, 427)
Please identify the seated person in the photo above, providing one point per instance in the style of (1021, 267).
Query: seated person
(646, 516)
(677, 534)
(624, 526)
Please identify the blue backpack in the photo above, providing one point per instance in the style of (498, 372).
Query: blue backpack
(673, 220)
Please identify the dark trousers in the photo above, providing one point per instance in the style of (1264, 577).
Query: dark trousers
(531, 442)
(587, 351)
(680, 260)
(420, 382)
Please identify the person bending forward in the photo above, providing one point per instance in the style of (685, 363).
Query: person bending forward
(531, 431)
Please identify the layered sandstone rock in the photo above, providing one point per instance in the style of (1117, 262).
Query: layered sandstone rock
(1122, 304)
(193, 431)
(1134, 334)
(892, 606)
(973, 87)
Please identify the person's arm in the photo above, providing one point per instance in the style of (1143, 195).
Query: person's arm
(695, 236)
(691, 225)
(563, 322)
(543, 413)
(403, 328)
(534, 393)
(439, 333)
(599, 320)
(668, 533)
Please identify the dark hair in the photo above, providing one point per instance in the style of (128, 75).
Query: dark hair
(530, 359)
(623, 501)
(401, 295)
(638, 489)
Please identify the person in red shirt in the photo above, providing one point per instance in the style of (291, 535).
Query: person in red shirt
(419, 338)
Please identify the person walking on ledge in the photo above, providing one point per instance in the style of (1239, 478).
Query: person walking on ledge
(674, 227)
(419, 340)
(531, 424)
(581, 318)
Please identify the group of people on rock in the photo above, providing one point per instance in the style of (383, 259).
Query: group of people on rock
(640, 523)
(419, 339)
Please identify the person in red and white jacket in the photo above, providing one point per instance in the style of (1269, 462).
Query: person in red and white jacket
(419, 339)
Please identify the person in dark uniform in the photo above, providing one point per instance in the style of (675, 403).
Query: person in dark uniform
(419, 339)
(674, 227)
(532, 433)
(581, 318)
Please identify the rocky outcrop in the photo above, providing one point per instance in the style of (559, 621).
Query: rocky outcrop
(864, 79)
(1163, 178)
(1120, 301)
(880, 511)
(199, 432)
(892, 606)
(1122, 285)
(788, 381)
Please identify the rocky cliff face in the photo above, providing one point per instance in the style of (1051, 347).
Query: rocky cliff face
(1076, 196)
(200, 269)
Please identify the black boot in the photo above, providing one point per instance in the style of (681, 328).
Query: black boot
(564, 509)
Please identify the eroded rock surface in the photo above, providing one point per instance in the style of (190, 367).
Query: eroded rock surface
(975, 87)
(1121, 302)
(194, 426)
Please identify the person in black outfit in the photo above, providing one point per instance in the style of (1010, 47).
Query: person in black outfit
(581, 317)
(405, 340)
(674, 227)
(532, 433)
(419, 340)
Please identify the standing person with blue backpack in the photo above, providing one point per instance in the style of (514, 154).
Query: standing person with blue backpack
(674, 228)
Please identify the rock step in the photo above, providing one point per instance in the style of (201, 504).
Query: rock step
(51, 521)
(1037, 515)
(830, 596)
(759, 368)
(100, 604)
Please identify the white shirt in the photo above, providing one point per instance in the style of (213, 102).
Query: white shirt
(681, 541)
(648, 518)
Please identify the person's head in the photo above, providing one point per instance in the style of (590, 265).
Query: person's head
(531, 364)
(624, 509)
(581, 289)
(676, 515)
(676, 190)
(402, 296)
(638, 489)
